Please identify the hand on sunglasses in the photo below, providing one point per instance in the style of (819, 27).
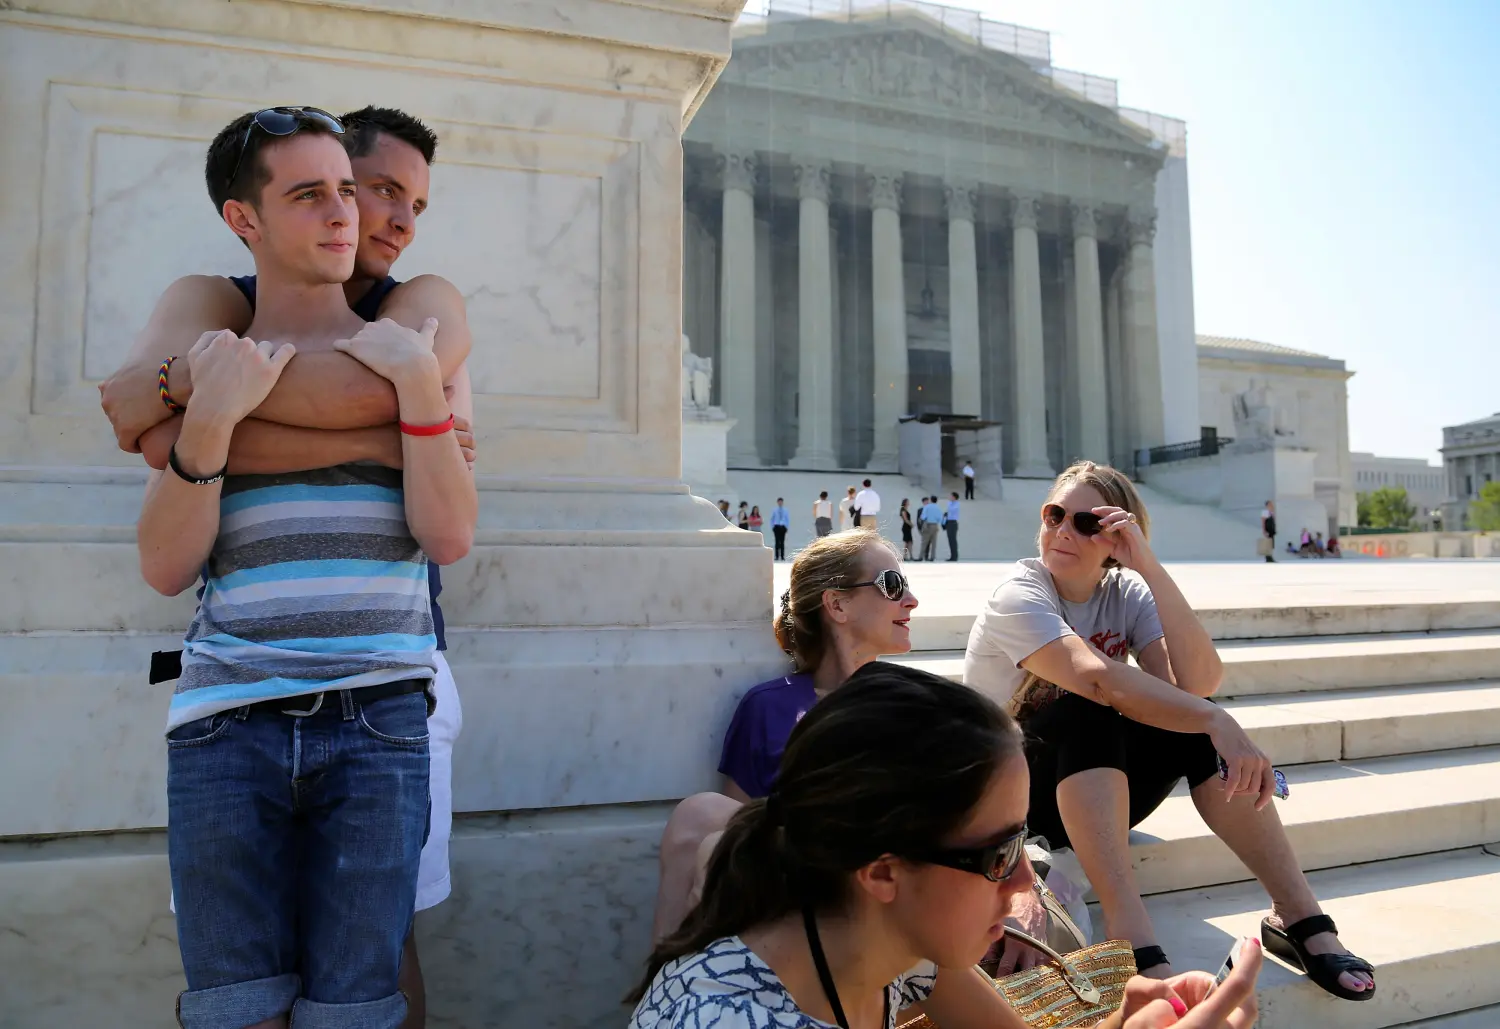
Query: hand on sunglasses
(1120, 529)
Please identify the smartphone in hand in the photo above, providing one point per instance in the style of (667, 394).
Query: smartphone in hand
(1282, 790)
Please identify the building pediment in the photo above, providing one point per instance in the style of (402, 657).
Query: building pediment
(910, 61)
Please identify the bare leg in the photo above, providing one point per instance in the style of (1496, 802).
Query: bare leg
(692, 821)
(1095, 809)
(1259, 840)
(412, 985)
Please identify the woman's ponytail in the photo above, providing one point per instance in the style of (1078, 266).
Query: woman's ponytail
(748, 882)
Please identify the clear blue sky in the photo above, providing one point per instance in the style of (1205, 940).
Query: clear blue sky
(1344, 162)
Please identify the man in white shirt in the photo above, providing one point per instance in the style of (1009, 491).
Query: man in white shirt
(846, 511)
(823, 514)
(968, 481)
(867, 507)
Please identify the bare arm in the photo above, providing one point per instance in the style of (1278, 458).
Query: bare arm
(334, 391)
(1079, 668)
(190, 307)
(267, 448)
(1194, 663)
(180, 519)
(318, 390)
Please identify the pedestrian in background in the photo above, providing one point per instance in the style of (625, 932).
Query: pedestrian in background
(867, 507)
(724, 510)
(932, 521)
(1268, 526)
(968, 481)
(781, 520)
(822, 514)
(744, 516)
(950, 523)
(846, 511)
(755, 519)
(905, 514)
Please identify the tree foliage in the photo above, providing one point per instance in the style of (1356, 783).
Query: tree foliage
(1484, 513)
(1385, 508)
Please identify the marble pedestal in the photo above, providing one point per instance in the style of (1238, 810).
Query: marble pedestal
(1283, 474)
(606, 621)
(705, 448)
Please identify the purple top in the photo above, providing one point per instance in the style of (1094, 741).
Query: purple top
(758, 732)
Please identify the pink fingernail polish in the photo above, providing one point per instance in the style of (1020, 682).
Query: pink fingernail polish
(1178, 1007)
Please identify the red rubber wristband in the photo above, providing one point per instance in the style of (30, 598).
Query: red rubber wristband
(427, 430)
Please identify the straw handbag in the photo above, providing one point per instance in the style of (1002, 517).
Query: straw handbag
(1075, 989)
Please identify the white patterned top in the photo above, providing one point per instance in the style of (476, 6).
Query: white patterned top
(726, 986)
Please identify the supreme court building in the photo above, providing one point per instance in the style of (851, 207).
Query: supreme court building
(906, 209)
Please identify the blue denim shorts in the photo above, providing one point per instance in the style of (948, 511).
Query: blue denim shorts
(294, 844)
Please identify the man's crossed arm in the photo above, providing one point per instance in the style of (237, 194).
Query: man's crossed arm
(325, 390)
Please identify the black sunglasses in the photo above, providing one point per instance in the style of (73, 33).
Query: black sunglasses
(1086, 523)
(283, 121)
(997, 862)
(891, 584)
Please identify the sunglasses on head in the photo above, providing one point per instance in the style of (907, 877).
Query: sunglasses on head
(891, 584)
(283, 121)
(1085, 523)
(997, 862)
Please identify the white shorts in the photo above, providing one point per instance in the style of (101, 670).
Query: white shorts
(447, 721)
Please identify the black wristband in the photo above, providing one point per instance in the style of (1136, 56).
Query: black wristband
(185, 477)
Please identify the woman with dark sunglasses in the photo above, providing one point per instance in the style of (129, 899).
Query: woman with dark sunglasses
(848, 603)
(1107, 742)
(875, 874)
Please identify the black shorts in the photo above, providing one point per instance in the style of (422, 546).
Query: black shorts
(1072, 735)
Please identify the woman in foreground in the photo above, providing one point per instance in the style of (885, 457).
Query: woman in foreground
(880, 868)
(1107, 742)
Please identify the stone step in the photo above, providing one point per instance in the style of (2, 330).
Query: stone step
(1278, 667)
(1339, 813)
(1430, 925)
(1351, 724)
(1479, 1018)
(1259, 667)
(937, 626)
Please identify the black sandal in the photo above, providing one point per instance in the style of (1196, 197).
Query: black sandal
(1322, 969)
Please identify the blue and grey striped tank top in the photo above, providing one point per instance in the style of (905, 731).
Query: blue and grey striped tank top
(315, 583)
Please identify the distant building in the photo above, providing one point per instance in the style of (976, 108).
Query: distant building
(1425, 484)
(1471, 458)
(1309, 395)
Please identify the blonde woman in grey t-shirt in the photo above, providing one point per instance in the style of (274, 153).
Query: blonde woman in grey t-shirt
(1107, 742)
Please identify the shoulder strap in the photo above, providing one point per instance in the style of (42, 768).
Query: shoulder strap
(246, 285)
(368, 306)
(824, 975)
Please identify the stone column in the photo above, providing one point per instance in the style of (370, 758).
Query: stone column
(888, 285)
(737, 306)
(963, 299)
(1030, 384)
(814, 321)
(1142, 351)
(1090, 380)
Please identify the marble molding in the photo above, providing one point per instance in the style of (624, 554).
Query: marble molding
(606, 621)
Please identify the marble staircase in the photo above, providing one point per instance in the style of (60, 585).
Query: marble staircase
(1386, 720)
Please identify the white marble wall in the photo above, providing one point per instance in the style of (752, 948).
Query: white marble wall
(606, 621)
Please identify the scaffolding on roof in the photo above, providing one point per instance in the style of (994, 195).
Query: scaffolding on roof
(1034, 46)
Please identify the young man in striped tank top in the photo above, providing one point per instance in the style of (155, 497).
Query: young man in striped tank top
(297, 738)
(391, 153)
